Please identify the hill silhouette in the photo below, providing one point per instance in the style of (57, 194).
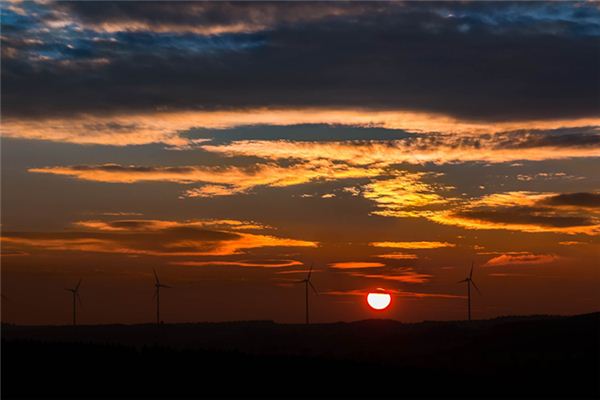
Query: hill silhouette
(542, 356)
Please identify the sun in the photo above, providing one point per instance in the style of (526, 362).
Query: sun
(379, 300)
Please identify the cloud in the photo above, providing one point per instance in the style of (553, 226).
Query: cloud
(405, 195)
(356, 265)
(547, 176)
(405, 278)
(212, 191)
(180, 55)
(225, 180)
(241, 264)
(204, 18)
(412, 245)
(431, 148)
(580, 200)
(521, 259)
(527, 212)
(169, 127)
(398, 256)
(153, 238)
(142, 225)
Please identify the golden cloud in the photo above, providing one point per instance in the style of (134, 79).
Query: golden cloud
(154, 238)
(220, 180)
(356, 265)
(521, 259)
(430, 148)
(133, 225)
(412, 245)
(398, 256)
(405, 195)
(242, 264)
(526, 212)
(165, 127)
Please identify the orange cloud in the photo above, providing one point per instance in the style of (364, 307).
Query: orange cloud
(244, 264)
(412, 245)
(571, 243)
(426, 148)
(398, 256)
(133, 225)
(166, 127)
(526, 212)
(154, 238)
(220, 180)
(246, 241)
(356, 265)
(405, 195)
(521, 259)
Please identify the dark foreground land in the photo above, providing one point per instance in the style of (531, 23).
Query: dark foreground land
(506, 357)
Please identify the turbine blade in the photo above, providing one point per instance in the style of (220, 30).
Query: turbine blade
(471, 273)
(166, 286)
(155, 294)
(312, 287)
(78, 284)
(155, 276)
(79, 300)
(310, 271)
(464, 280)
(475, 286)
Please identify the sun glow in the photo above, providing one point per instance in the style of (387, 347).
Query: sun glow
(379, 300)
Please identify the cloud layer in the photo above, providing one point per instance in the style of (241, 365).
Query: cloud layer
(147, 57)
(154, 238)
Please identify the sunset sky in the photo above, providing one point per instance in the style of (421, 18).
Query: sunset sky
(231, 145)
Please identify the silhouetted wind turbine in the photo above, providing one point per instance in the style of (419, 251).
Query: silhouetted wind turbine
(158, 285)
(470, 282)
(308, 283)
(76, 298)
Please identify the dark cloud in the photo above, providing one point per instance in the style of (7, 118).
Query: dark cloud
(490, 61)
(573, 137)
(210, 14)
(585, 200)
(527, 216)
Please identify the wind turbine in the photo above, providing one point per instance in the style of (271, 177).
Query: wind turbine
(308, 283)
(76, 298)
(469, 280)
(157, 286)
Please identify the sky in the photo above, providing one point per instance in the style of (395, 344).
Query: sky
(229, 146)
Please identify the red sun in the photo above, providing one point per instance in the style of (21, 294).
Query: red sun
(379, 300)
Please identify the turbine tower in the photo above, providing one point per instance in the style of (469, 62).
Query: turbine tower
(469, 280)
(308, 283)
(76, 299)
(157, 286)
